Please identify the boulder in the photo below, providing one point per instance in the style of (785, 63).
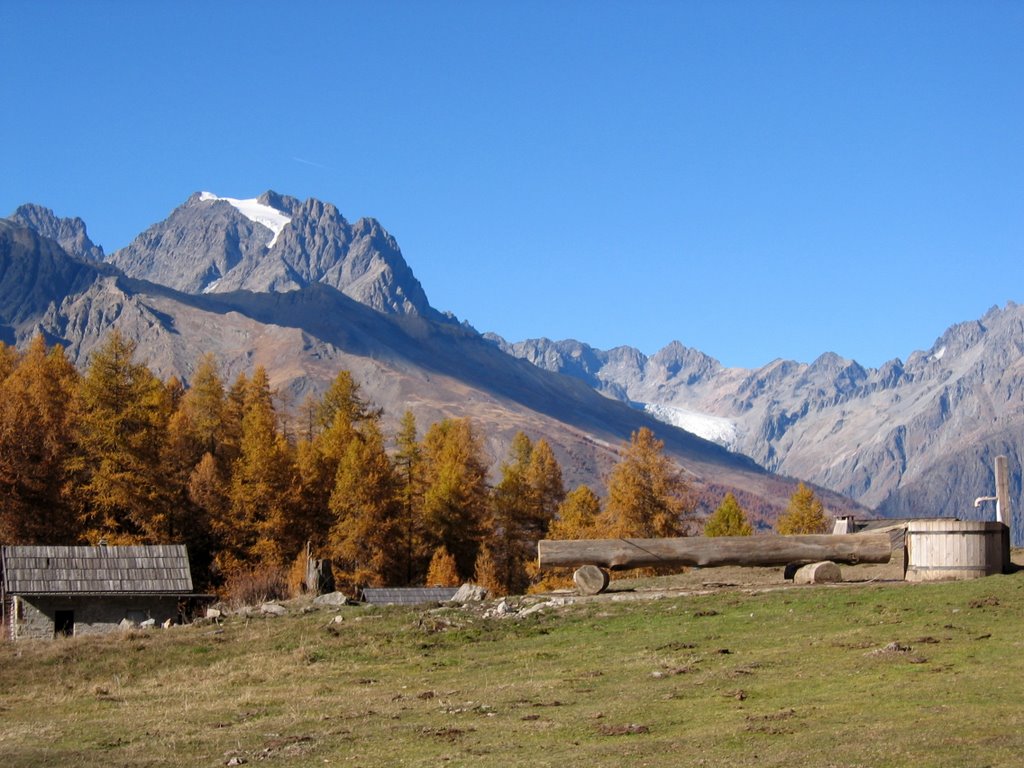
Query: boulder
(332, 599)
(148, 624)
(470, 593)
(825, 572)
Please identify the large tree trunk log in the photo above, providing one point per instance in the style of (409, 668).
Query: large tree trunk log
(620, 554)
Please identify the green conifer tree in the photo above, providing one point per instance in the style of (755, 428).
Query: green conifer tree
(728, 520)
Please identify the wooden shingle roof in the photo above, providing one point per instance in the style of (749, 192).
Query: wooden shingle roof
(159, 569)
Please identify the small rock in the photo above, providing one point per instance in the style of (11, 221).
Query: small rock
(273, 609)
(338, 619)
(213, 613)
(501, 610)
(535, 608)
(126, 624)
(148, 624)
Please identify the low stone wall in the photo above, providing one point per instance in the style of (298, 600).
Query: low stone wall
(37, 617)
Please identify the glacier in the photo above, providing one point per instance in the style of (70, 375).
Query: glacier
(717, 429)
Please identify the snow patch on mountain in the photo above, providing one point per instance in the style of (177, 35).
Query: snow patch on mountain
(714, 428)
(254, 210)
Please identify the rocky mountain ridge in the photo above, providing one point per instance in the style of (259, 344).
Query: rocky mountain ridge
(216, 245)
(70, 233)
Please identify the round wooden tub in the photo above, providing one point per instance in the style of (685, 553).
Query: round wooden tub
(942, 550)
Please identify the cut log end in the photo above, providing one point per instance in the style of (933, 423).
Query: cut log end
(818, 573)
(590, 580)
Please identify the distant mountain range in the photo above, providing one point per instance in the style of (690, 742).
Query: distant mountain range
(295, 287)
(908, 439)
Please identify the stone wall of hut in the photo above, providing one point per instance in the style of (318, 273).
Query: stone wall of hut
(44, 617)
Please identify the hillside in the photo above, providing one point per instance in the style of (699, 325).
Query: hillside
(896, 674)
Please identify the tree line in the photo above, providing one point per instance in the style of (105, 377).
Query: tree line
(115, 454)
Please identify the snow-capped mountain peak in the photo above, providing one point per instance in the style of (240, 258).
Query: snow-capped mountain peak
(254, 210)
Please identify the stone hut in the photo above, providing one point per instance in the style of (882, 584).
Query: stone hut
(60, 591)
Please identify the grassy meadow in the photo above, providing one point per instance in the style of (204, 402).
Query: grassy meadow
(869, 674)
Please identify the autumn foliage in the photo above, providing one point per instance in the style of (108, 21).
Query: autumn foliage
(805, 514)
(114, 453)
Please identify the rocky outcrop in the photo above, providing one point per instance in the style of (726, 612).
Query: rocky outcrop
(70, 234)
(34, 272)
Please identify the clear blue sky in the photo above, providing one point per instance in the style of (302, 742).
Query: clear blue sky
(754, 179)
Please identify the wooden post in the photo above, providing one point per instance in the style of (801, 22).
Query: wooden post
(618, 554)
(1003, 514)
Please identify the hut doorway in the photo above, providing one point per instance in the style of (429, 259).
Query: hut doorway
(63, 623)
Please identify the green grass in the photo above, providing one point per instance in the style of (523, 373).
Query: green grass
(795, 676)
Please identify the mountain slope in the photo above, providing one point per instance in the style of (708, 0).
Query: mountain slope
(34, 270)
(304, 336)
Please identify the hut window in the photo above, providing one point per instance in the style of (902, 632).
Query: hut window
(63, 623)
